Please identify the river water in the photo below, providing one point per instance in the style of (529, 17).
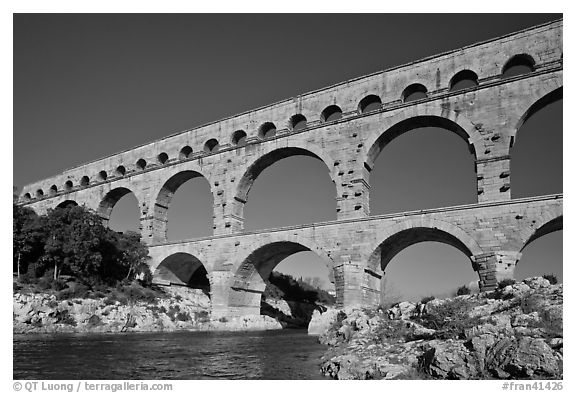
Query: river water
(281, 354)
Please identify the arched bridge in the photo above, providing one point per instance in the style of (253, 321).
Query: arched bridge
(346, 126)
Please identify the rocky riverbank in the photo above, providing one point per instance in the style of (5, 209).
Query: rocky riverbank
(511, 333)
(179, 308)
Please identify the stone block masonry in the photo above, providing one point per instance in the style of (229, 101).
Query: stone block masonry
(348, 138)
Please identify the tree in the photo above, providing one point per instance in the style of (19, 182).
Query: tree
(78, 244)
(27, 237)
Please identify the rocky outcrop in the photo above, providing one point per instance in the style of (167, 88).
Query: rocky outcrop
(180, 309)
(513, 333)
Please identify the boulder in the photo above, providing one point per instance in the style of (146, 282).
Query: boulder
(321, 322)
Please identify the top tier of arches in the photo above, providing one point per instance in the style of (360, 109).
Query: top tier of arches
(360, 97)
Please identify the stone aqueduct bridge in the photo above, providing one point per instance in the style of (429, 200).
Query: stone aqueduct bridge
(346, 126)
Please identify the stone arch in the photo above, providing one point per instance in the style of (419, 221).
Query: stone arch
(461, 76)
(109, 201)
(27, 196)
(53, 189)
(164, 198)
(68, 185)
(266, 130)
(415, 230)
(239, 138)
(369, 103)
(331, 113)
(182, 268)
(253, 267)
(297, 122)
(120, 170)
(102, 175)
(67, 203)
(546, 94)
(547, 223)
(415, 88)
(141, 164)
(185, 152)
(162, 158)
(446, 119)
(39, 193)
(264, 161)
(85, 181)
(211, 146)
(522, 59)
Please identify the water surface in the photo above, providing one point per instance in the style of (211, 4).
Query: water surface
(283, 354)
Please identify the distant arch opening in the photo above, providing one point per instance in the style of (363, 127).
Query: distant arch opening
(39, 193)
(53, 189)
(542, 253)
(331, 113)
(370, 103)
(518, 65)
(27, 196)
(423, 162)
(120, 210)
(68, 185)
(421, 261)
(162, 158)
(184, 208)
(414, 92)
(464, 79)
(211, 146)
(294, 191)
(141, 164)
(66, 204)
(267, 130)
(185, 152)
(102, 175)
(84, 181)
(540, 134)
(272, 275)
(239, 138)
(298, 122)
(182, 269)
(120, 170)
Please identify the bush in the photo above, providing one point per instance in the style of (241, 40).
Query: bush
(450, 318)
(223, 319)
(463, 290)
(504, 283)
(551, 278)
(426, 299)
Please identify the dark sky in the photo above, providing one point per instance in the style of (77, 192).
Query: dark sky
(86, 86)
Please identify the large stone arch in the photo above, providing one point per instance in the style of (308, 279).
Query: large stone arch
(182, 268)
(426, 116)
(415, 230)
(546, 92)
(67, 203)
(258, 165)
(247, 283)
(549, 222)
(109, 201)
(164, 198)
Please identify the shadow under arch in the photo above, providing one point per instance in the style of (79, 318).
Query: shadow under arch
(252, 270)
(164, 198)
(464, 129)
(109, 201)
(66, 204)
(183, 269)
(261, 163)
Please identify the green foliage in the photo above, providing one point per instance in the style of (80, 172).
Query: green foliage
(551, 278)
(283, 286)
(391, 330)
(504, 283)
(463, 290)
(450, 318)
(27, 238)
(426, 299)
(73, 241)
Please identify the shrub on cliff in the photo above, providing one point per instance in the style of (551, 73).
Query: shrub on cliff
(463, 290)
(551, 278)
